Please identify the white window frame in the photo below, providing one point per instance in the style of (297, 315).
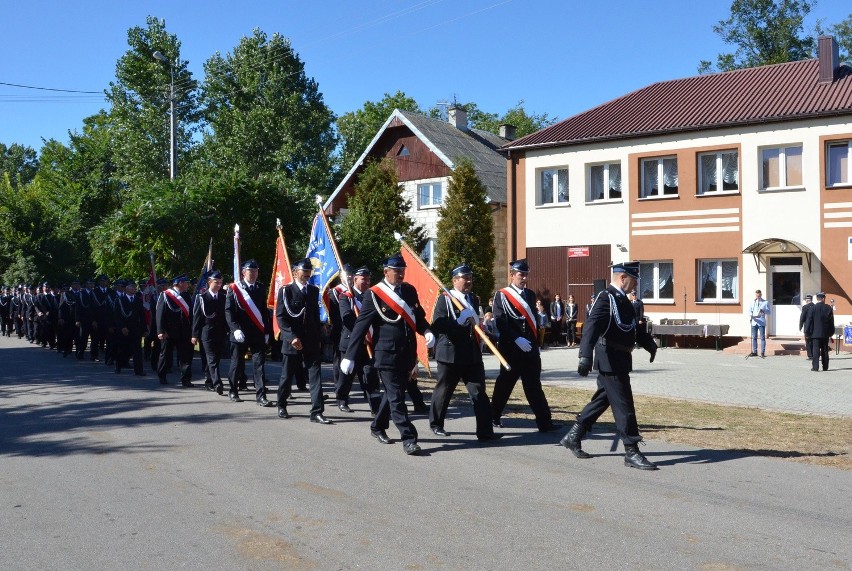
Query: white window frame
(828, 173)
(555, 200)
(644, 194)
(432, 203)
(429, 253)
(654, 297)
(720, 173)
(718, 298)
(782, 166)
(606, 186)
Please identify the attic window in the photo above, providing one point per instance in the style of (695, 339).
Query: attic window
(403, 152)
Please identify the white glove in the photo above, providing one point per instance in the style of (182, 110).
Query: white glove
(239, 336)
(524, 344)
(266, 339)
(430, 339)
(347, 366)
(466, 313)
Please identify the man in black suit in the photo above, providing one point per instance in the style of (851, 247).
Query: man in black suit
(610, 334)
(5, 313)
(393, 310)
(87, 321)
(458, 353)
(210, 327)
(129, 327)
(557, 319)
(803, 317)
(251, 327)
(106, 336)
(350, 303)
(174, 330)
(334, 316)
(514, 315)
(819, 326)
(297, 313)
(638, 309)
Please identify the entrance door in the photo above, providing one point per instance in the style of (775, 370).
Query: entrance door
(785, 298)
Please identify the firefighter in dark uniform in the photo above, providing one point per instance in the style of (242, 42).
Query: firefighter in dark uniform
(49, 307)
(350, 303)
(152, 342)
(6, 313)
(210, 328)
(392, 309)
(297, 313)
(334, 316)
(459, 355)
(18, 311)
(803, 317)
(251, 327)
(67, 317)
(516, 323)
(129, 327)
(174, 330)
(819, 327)
(610, 334)
(106, 333)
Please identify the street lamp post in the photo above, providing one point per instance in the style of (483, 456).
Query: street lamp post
(173, 116)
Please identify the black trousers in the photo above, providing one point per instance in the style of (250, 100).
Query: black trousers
(809, 347)
(238, 366)
(211, 353)
(184, 350)
(613, 390)
(392, 406)
(819, 352)
(126, 347)
(571, 327)
(368, 379)
(310, 364)
(528, 370)
(473, 376)
(84, 333)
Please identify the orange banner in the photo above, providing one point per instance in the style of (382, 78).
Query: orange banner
(428, 290)
(280, 276)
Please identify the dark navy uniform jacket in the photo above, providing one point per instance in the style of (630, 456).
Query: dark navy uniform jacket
(299, 319)
(454, 343)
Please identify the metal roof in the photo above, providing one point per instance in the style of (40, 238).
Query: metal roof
(780, 92)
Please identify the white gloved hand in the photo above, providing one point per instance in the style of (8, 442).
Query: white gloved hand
(465, 315)
(347, 366)
(524, 344)
(430, 339)
(239, 336)
(266, 339)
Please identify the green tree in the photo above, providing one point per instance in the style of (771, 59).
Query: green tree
(140, 100)
(524, 122)
(764, 32)
(466, 229)
(357, 128)
(376, 210)
(842, 32)
(266, 116)
(21, 270)
(19, 163)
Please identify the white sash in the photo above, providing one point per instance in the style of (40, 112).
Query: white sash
(184, 307)
(520, 304)
(398, 301)
(245, 301)
(463, 299)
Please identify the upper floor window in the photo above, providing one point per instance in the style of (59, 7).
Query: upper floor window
(717, 280)
(781, 167)
(718, 172)
(656, 281)
(429, 194)
(659, 177)
(604, 182)
(839, 163)
(552, 187)
(429, 253)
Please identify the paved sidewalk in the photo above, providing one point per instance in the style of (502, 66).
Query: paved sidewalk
(782, 383)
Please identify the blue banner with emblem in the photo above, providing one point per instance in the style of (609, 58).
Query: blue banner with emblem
(322, 254)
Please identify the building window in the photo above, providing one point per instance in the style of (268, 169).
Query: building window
(656, 281)
(781, 167)
(604, 182)
(403, 152)
(717, 280)
(839, 163)
(429, 252)
(659, 177)
(718, 172)
(552, 187)
(429, 195)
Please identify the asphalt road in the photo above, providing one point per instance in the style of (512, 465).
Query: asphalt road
(113, 472)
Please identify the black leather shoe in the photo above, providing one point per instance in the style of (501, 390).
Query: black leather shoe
(411, 448)
(209, 387)
(186, 384)
(235, 397)
(243, 386)
(552, 427)
(324, 397)
(635, 459)
(497, 423)
(344, 408)
(572, 441)
(282, 412)
(219, 390)
(263, 401)
(439, 430)
(320, 419)
(381, 436)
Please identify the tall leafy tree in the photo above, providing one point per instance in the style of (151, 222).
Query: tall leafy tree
(466, 229)
(842, 32)
(523, 121)
(376, 210)
(763, 32)
(140, 100)
(19, 163)
(266, 116)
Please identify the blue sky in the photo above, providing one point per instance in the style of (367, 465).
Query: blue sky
(560, 57)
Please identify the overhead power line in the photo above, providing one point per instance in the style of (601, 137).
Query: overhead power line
(50, 88)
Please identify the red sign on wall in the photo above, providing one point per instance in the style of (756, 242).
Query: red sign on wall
(581, 252)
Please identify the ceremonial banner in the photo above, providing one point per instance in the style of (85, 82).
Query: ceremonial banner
(237, 274)
(281, 276)
(206, 268)
(428, 290)
(322, 253)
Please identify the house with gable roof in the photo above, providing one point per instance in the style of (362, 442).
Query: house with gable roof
(425, 151)
(718, 184)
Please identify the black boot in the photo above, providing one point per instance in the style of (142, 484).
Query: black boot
(635, 459)
(571, 441)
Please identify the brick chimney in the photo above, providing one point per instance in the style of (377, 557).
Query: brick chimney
(507, 132)
(457, 117)
(829, 59)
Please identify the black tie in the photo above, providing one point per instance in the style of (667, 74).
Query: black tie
(398, 291)
(251, 287)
